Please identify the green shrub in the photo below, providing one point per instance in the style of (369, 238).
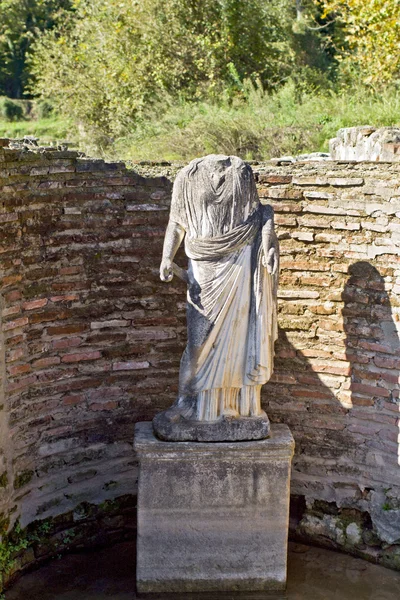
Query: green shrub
(259, 125)
(111, 61)
(10, 110)
(44, 109)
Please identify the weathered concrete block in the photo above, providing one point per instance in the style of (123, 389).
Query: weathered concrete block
(212, 516)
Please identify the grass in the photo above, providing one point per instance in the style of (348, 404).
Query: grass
(48, 130)
(260, 126)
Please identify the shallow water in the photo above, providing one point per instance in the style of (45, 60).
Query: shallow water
(313, 574)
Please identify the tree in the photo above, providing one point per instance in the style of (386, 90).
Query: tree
(21, 22)
(367, 39)
(113, 59)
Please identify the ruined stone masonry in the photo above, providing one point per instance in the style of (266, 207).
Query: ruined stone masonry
(91, 341)
(366, 143)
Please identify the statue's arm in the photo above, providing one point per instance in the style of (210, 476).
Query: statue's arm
(173, 239)
(270, 241)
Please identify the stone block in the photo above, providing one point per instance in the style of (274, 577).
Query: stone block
(212, 517)
(366, 144)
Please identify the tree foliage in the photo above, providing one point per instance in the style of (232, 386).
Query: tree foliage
(367, 38)
(111, 64)
(113, 59)
(21, 22)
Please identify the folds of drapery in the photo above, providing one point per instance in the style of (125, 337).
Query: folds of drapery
(231, 312)
(218, 247)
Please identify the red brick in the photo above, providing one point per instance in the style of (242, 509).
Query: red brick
(15, 324)
(275, 178)
(283, 378)
(66, 342)
(286, 193)
(13, 339)
(363, 375)
(18, 369)
(46, 362)
(54, 375)
(325, 423)
(34, 304)
(70, 270)
(333, 369)
(357, 357)
(309, 379)
(49, 315)
(361, 401)
(287, 207)
(286, 353)
(372, 416)
(12, 355)
(367, 430)
(66, 298)
(391, 378)
(11, 310)
(105, 392)
(21, 383)
(95, 354)
(308, 393)
(66, 329)
(285, 220)
(12, 296)
(370, 390)
(387, 363)
(111, 405)
(315, 353)
(316, 281)
(11, 280)
(303, 265)
(388, 434)
(73, 399)
(374, 347)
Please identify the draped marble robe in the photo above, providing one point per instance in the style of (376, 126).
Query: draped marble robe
(231, 299)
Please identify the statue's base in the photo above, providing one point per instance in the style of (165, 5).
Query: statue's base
(172, 427)
(212, 517)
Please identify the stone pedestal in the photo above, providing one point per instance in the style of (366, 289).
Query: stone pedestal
(212, 516)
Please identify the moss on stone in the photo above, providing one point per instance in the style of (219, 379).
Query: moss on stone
(22, 479)
(4, 523)
(3, 480)
(11, 545)
(83, 527)
(35, 290)
(391, 557)
(110, 485)
(321, 507)
(295, 325)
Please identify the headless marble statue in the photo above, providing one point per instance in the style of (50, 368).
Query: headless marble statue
(231, 302)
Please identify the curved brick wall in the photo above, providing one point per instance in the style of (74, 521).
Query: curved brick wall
(91, 339)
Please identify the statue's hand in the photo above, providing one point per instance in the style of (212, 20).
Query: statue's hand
(166, 273)
(271, 262)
